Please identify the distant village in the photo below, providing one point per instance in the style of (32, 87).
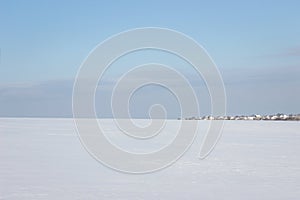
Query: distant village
(278, 117)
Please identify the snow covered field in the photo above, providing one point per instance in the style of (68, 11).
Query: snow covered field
(44, 159)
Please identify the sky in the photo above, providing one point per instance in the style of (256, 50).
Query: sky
(255, 44)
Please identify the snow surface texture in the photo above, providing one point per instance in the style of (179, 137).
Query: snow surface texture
(44, 159)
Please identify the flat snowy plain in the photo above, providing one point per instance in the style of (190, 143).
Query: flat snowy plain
(44, 159)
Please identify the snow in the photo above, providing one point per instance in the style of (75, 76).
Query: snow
(44, 159)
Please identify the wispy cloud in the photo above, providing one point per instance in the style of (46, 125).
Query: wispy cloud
(293, 51)
(47, 99)
(249, 90)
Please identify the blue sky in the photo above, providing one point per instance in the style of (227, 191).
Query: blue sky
(255, 44)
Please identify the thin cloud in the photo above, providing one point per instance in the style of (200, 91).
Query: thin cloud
(287, 52)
